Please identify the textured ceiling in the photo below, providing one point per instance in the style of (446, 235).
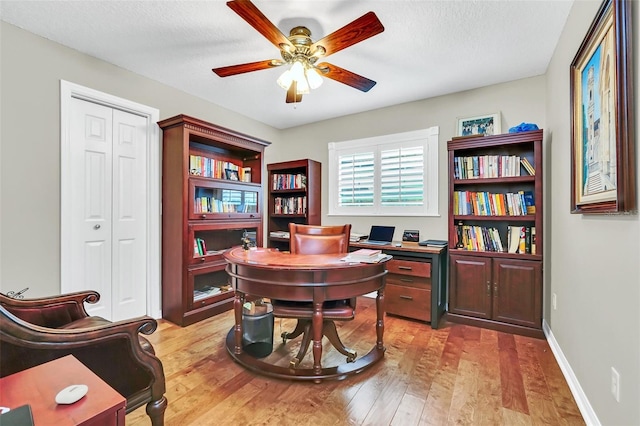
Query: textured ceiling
(429, 48)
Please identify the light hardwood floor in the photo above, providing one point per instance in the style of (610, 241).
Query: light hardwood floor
(456, 375)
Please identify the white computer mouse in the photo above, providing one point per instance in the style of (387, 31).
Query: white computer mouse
(71, 394)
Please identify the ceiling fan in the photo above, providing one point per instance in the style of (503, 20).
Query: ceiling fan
(299, 51)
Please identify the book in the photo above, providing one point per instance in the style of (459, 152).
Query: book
(529, 202)
(365, 259)
(533, 240)
(514, 239)
(522, 245)
(528, 166)
(366, 253)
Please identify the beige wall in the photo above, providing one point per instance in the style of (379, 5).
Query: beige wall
(591, 263)
(310, 141)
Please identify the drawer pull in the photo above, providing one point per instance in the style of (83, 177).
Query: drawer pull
(406, 280)
(406, 297)
(405, 268)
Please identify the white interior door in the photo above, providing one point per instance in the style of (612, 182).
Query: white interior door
(108, 208)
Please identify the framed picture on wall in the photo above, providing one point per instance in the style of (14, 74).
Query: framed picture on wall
(602, 147)
(488, 124)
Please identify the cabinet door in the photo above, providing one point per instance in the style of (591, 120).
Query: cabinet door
(207, 285)
(210, 199)
(517, 292)
(470, 286)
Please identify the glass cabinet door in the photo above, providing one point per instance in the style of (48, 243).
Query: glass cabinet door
(210, 199)
(208, 285)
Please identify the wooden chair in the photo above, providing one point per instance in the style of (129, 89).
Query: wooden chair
(310, 239)
(35, 331)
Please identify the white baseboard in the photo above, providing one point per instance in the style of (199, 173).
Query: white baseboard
(582, 401)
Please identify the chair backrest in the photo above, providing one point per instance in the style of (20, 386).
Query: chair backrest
(316, 239)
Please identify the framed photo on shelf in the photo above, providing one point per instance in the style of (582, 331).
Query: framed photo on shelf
(602, 147)
(231, 174)
(488, 124)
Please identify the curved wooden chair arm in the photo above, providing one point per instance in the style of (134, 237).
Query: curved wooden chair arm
(53, 311)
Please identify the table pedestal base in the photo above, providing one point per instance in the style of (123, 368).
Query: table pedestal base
(338, 372)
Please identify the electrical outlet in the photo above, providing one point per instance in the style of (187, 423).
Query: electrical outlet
(615, 384)
(554, 301)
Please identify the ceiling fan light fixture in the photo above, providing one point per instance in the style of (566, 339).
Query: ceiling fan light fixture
(297, 71)
(285, 79)
(302, 87)
(314, 79)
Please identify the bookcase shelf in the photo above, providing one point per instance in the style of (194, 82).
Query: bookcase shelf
(496, 275)
(211, 197)
(293, 189)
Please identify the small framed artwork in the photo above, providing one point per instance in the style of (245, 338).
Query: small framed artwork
(602, 147)
(231, 174)
(488, 124)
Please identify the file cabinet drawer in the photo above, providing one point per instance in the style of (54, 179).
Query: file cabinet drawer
(408, 302)
(409, 281)
(407, 267)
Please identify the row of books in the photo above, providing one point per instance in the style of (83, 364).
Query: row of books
(520, 239)
(481, 203)
(200, 248)
(213, 205)
(281, 181)
(490, 166)
(218, 169)
(290, 205)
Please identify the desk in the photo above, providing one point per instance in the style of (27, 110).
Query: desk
(304, 278)
(38, 387)
(412, 252)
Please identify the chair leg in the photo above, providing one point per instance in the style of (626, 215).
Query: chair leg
(304, 345)
(155, 411)
(329, 330)
(300, 328)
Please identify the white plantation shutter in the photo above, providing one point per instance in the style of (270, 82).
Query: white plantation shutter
(356, 179)
(388, 175)
(402, 176)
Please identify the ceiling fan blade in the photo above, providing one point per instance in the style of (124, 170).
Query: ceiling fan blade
(361, 29)
(242, 68)
(250, 13)
(292, 96)
(346, 77)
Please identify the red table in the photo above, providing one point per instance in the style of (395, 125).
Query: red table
(38, 387)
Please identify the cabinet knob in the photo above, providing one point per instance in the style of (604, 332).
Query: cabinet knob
(204, 216)
(488, 288)
(495, 289)
(202, 259)
(96, 226)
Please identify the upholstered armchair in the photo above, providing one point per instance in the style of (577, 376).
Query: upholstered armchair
(316, 239)
(36, 331)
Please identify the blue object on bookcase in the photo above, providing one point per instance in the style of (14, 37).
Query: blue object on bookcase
(523, 127)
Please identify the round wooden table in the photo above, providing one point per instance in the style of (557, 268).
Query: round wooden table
(269, 273)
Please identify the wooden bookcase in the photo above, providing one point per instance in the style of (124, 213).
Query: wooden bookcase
(294, 195)
(489, 189)
(211, 196)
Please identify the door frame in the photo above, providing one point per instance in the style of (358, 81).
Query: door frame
(68, 91)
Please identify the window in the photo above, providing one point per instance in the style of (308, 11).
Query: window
(392, 175)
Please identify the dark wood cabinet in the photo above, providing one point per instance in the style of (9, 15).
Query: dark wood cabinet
(504, 290)
(495, 231)
(416, 280)
(294, 196)
(211, 198)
